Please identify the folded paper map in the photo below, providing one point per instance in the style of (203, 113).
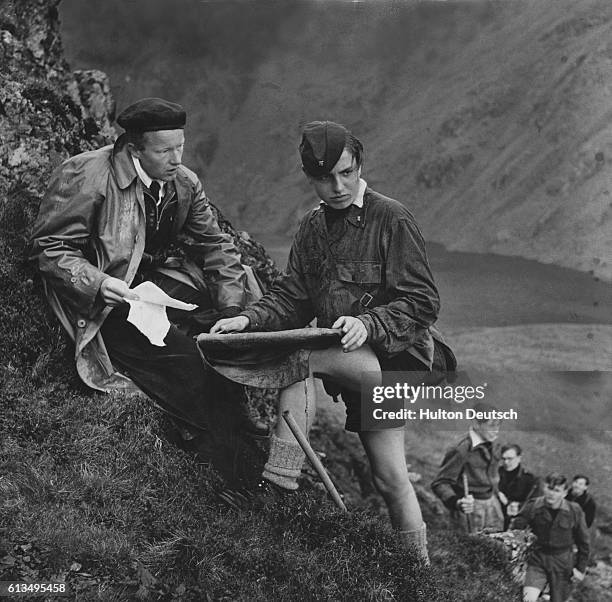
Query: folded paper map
(148, 314)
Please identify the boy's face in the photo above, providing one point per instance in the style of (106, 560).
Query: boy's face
(340, 187)
(554, 494)
(488, 430)
(579, 486)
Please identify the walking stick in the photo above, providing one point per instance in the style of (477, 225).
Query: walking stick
(466, 493)
(314, 459)
(531, 492)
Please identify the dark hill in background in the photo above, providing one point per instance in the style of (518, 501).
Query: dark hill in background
(490, 120)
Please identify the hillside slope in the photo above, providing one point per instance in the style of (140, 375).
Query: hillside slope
(490, 120)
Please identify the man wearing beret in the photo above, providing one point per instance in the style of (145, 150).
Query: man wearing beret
(357, 263)
(121, 215)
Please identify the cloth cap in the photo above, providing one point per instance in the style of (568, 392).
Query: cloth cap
(321, 146)
(151, 115)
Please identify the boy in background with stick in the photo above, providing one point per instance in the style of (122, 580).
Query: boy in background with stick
(467, 480)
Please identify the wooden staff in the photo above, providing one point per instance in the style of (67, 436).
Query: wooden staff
(531, 492)
(466, 493)
(314, 459)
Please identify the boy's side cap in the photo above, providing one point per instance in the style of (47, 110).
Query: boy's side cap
(321, 146)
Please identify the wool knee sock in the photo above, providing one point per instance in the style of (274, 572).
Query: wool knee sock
(284, 464)
(417, 540)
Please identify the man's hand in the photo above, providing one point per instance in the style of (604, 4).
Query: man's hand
(354, 330)
(513, 508)
(466, 504)
(237, 324)
(502, 498)
(115, 292)
(577, 576)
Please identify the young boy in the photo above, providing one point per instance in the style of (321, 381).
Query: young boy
(477, 457)
(558, 525)
(358, 263)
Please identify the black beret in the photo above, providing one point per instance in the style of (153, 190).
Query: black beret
(152, 114)
(321, 146)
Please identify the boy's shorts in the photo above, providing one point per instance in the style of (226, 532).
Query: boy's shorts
(403, 362)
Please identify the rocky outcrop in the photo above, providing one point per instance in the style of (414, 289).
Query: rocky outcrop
(42, 122)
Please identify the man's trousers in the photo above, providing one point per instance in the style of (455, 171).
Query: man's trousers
(173, 376)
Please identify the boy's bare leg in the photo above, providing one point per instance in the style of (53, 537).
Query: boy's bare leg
(286, 457)
(300, 400)
(385, 451)
(345, 368)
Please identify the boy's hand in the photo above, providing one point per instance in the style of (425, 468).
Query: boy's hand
(466, 504)
(237, 324)
(354, 330)
(513, 508)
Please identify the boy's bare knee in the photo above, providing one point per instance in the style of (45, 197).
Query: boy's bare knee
(392, 485)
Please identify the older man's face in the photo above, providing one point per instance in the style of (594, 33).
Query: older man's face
(162, 153)
(340, 187)
(511, 459)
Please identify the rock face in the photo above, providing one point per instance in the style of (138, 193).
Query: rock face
(42, 122)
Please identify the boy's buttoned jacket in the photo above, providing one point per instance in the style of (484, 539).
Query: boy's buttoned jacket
(556, 536)
(376, 270)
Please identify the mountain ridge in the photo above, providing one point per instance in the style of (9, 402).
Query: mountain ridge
(489, 120)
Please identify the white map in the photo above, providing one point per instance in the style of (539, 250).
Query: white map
(148, 314)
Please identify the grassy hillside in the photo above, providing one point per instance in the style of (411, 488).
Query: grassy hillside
(93, 494)
(491, 120)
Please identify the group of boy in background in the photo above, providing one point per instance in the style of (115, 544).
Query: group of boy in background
(486, 488)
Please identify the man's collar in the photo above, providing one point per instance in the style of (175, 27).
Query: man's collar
(358, 202)
(573, 496)
(144, 176)
(475, 438)
(122, 163)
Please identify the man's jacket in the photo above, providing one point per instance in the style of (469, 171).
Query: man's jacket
(518, 485)
(587, 503)
(91, 225)
(554, 536)
(478, 463)
(377, 270)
